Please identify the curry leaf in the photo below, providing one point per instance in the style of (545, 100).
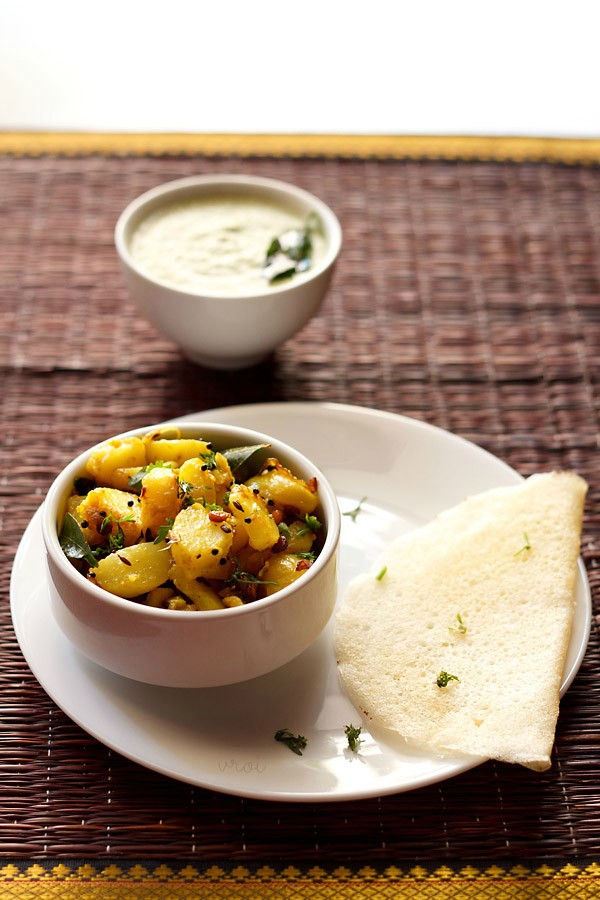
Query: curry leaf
(291, 252)
(239, 456)
(73, 542)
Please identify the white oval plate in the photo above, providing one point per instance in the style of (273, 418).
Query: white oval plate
(222, 738)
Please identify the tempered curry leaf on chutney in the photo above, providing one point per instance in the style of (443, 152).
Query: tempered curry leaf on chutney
(290, 253)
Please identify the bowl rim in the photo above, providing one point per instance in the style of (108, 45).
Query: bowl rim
(170, 189)
(57, 493)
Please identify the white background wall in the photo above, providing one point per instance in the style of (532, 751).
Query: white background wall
(421, 67)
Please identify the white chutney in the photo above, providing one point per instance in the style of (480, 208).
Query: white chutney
(214, 245)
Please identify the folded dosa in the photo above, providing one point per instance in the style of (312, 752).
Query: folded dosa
(483, 593)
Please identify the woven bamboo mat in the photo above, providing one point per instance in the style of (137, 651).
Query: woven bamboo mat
(468, 296)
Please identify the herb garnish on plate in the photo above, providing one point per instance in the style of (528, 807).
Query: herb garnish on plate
(354, 738)
(444, 678)
(296, 742)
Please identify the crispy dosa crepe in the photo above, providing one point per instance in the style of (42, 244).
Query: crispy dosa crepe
(484, 593)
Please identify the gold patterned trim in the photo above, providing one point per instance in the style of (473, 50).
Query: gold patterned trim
(141, 881)
(349, 146)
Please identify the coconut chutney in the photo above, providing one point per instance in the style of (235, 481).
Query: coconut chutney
(214, 244)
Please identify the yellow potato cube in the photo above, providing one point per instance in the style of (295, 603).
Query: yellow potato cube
(251, 560)
(176, 451)
(279, 485)
(251, 514)
(73, 502)
(240, 538)
(280, 570)
(300, 537)
(159, 597)
(232, 600)
(181, 604)
(223, 477)
(166, 432)
(194, 472)
(200, 593)
(201, 546)
(159, 500)
(115, 454)
(106, 510)
(120, 477)
(134, 570)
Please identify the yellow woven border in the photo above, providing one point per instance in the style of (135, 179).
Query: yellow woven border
(99, 881)
(451, 147)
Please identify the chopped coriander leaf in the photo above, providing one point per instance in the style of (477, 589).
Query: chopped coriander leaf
(354, 738)
(352, 513)
(240, 577)
(116, 541)
(163, 531)
(444, 678)
(284, 530)
(381, 573)
(311, 523)
(210, 460)
(305, 554)
(296, 742)
(110, 520)
(526, 545)
(460, 625)
(185, 491)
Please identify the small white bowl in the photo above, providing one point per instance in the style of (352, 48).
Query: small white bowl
(213, 328)
(194, 649)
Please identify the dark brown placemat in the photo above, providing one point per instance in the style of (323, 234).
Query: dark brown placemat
(467, 295)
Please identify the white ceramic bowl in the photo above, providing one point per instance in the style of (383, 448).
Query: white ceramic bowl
(215, 329)
(194, 649)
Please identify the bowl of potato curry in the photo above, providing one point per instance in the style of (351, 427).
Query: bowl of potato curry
(191, 555)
